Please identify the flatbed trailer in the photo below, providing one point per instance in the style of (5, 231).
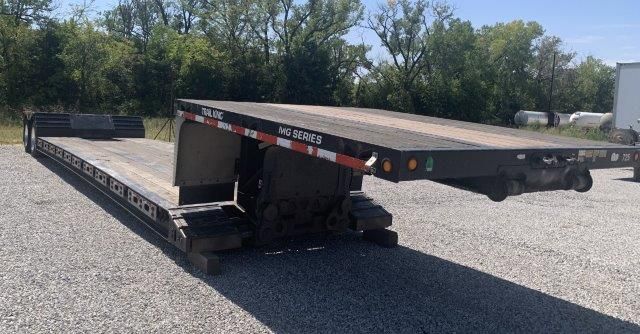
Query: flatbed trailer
(248, 173)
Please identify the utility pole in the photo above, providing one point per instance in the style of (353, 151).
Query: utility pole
(551, 117)
(553, 77)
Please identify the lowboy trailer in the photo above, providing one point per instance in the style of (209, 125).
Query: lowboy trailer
(249, 173)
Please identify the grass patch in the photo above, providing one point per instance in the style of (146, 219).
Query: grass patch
(11, 130)
(10, 133)
(570, 131)
(159, 129)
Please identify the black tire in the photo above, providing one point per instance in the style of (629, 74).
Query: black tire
(33, 141)
(623, 136)
(26, 135)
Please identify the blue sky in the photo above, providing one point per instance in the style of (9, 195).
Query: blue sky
(609, 30)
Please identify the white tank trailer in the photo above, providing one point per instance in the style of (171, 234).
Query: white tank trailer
(586, 119)
(606, 122)
(561, 119)
(527, 117)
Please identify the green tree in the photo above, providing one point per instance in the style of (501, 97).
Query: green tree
(84, 56)
(508, 49)
(593, 87)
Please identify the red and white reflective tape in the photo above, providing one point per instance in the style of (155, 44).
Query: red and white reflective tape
(341, 159)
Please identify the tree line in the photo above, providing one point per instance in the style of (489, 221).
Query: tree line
(139, 55)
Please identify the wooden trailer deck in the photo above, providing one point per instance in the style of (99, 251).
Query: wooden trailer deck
(145, 165)
(398, 130)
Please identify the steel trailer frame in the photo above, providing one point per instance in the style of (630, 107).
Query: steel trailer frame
(201, 227)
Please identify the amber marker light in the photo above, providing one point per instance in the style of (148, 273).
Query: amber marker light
(387, 166)
(412, 164)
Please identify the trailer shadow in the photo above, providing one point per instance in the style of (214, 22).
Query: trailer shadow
(627, 179)
(343, 284)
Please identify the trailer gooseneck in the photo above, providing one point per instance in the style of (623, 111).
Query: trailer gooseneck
(249, 173)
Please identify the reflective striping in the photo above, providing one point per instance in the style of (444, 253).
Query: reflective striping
(327, 155)
(286, 143)
(350, 161)
(251, 133)
(267, 138)
(341, 159)
(225, 126)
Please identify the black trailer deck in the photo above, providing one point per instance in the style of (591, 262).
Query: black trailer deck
(443, 148)
(265, 190)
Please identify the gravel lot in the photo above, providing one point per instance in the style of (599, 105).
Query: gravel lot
(562, 261)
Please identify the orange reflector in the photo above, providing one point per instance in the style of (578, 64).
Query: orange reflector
(412, 164)
(387, 166)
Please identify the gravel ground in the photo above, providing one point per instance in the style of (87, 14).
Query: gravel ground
(561, 261)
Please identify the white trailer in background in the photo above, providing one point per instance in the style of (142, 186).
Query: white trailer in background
(626, 101)
(626, 106)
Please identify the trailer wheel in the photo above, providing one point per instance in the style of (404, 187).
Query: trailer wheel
(623, 136)
(26, 135)
(33, 140)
